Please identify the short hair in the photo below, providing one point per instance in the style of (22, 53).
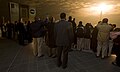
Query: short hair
(114, 25)
(62, 15)
(117, 29)
(70, 17)
(36, 18)
(80, 22)
(99, 22)
(105, 20)
(51, 18)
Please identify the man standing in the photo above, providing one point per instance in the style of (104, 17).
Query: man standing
(103, 37)
(64, 37)
(37, 28)
(80, 36)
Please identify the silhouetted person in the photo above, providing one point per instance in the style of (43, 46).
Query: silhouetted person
(80, 36)
(21, 32)
(103, 37)
(29, 33)
(93, 44)
(117, 51)
(51, 38)
(0, 30)
(71, 22)
(94, 34)
(3, 30)
(9, 27)
(70, 19)
(64, 37)
(25, 33)
(110, 46)
(87, 36)
(74, 30)
(37, 28)
(15, 33)
(115, 35)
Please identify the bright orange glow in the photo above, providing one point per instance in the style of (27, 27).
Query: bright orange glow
(101, 7)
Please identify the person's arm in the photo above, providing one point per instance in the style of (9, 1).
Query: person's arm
(114, 35)
(70, 32)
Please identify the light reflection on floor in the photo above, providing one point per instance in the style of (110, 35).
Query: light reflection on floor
(113, 55)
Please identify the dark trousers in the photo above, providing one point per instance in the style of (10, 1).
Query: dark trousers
(93, 44)
(62, 50)
(118, 60)
(29, 37)
(117, 52)
(9, 34)
(3, 34)
(21, 39)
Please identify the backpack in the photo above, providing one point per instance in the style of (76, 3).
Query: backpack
(87, 32)
(80, 32)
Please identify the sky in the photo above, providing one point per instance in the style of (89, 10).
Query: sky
(82, 10)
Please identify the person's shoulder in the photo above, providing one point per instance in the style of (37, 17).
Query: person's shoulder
(33, 23)
(110, 26)
(60, 22)
(67, 22)
(40, 21)
(57, 22)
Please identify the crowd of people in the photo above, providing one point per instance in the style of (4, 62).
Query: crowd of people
(63, 35)
(17, 31)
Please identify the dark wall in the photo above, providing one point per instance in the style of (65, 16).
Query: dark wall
(4, 9)
(24, 12)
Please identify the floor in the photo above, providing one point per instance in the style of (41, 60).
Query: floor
(16, 58)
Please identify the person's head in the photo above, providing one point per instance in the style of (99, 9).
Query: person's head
(114, 25)
(28, 22)
(99, 22)
(105, 20)
(80, 23)
(110, 24)
(15, 22)
(74, 19)
(51, 19)
(87, 25)
(70, 17)
(37, 18)
(63, 16)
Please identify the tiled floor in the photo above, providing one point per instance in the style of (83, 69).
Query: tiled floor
(16, 58)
